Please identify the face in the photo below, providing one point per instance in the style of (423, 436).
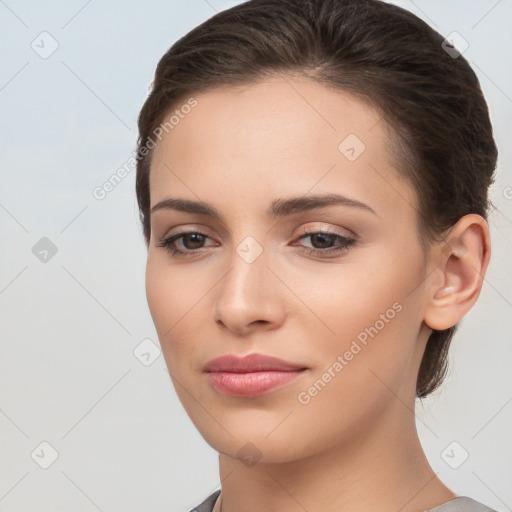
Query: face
(334, 289)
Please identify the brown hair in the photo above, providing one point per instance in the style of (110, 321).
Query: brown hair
(378, 51)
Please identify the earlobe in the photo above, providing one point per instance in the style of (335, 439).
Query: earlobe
(462, 262)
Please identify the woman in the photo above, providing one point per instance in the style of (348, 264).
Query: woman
(312, 182)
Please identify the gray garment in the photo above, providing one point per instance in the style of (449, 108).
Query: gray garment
(459, 504)
(208, 504)
(462, 504)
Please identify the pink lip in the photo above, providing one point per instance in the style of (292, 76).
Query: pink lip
(252, 375)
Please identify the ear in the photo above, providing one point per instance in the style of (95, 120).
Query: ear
(461, 259)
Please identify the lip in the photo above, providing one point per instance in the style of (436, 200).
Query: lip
(249, 363)
(251, 375)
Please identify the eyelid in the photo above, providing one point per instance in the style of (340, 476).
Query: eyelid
(345, 233)
(321, 225)
(188, 228)
(308, 229)
(346, 239)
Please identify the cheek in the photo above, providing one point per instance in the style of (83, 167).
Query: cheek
(369, 360)
(351, 296)
(171, 299)
(368, 315)
(158, 294)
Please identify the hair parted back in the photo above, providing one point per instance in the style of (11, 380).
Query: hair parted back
(377, 51)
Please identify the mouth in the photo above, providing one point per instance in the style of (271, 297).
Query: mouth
(252, 375)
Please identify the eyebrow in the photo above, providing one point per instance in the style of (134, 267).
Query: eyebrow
(278, 208)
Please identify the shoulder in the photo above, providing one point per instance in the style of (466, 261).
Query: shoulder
(208, 504)
(462, 504)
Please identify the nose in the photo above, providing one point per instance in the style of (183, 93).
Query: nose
(249, 297)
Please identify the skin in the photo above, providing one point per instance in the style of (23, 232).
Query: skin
(353, 446)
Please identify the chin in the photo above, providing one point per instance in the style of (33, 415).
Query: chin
(261, 437)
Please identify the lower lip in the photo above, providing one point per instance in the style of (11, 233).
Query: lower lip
(251, 384)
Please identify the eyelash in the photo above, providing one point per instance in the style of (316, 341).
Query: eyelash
(346, 243)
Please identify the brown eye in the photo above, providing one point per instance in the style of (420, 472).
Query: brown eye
(324, 242)
(191, 241)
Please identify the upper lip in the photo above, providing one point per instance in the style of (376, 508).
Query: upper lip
(249, 363)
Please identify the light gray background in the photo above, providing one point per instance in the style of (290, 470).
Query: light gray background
(69, 326)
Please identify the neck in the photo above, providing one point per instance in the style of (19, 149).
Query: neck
(385, 470)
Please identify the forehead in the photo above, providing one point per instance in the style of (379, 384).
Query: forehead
(283, 134)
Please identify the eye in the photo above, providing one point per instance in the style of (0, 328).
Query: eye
(191, 241)
(326, 242)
